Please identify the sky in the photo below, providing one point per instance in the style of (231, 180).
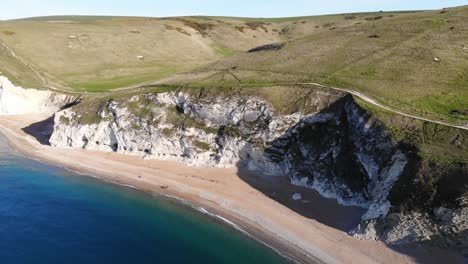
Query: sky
(247, 8)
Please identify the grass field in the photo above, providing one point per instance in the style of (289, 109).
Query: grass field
(102, 53)
(95, 53)
(389, 56)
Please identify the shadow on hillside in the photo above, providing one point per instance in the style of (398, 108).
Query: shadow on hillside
(41, 131)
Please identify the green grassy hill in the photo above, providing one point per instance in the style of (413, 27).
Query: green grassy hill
(390, 57)
(101, 53)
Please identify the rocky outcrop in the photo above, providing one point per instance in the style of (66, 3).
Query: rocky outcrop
(343, 153)
(220, 132)
(337, 149)
(332, 146)
(447, 228)
(15, 100)
(268, 47)
(429, 206)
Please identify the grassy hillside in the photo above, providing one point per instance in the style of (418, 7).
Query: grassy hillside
(390, 57)
(102, 53)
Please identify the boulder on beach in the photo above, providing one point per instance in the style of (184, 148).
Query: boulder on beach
(297, 196)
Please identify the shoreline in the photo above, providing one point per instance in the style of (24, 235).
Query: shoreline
(218, 191)
(279, 247)
(250, 232)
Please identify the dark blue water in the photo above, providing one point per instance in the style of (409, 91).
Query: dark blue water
(49, 215)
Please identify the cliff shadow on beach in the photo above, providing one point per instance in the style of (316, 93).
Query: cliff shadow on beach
(305, 151)
(319, 138)
(312, 205)
(41, 131)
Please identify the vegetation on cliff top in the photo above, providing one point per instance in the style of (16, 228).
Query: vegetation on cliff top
(438, 155)
(103, 53)
(413, 61)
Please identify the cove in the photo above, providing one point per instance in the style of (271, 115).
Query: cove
(50, 215)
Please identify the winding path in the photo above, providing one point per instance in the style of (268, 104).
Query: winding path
(396, 111)
(353, 92)
(33, 69)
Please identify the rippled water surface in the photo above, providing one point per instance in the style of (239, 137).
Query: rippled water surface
(49, 215)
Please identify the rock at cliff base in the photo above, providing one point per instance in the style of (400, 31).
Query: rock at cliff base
(297, 196)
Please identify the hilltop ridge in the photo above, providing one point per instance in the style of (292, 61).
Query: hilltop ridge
(413, 61)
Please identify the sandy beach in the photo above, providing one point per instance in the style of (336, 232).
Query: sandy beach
(245, 200)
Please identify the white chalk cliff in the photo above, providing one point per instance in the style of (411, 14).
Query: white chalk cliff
(15, 100)
(247, 131)
(334, 147)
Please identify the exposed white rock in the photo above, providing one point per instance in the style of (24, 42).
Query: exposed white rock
(389, 175)
(120, 131)
(410, 228)
(322, 185)
(446, 230)
(257, 128)
(296, 196)
(15, 100)
(262, 141)
(366, 231)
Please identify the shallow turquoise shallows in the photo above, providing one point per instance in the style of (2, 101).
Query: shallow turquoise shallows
(49, 215)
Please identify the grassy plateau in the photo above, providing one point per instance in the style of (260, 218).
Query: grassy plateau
(413, 61)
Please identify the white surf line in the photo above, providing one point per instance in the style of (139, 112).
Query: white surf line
(181, 201)
(63, 167)
(178, 199)
(232, 224)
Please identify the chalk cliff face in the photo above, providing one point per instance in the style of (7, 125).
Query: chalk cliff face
(337, 149)
(15, 100)
(328, 143)
(343, 153)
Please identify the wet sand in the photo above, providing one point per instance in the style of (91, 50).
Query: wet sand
(307, 231)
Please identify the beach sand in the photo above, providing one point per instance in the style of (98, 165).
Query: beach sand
(307, 231)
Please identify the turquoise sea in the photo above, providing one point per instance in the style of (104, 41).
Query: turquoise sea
(50, 215)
